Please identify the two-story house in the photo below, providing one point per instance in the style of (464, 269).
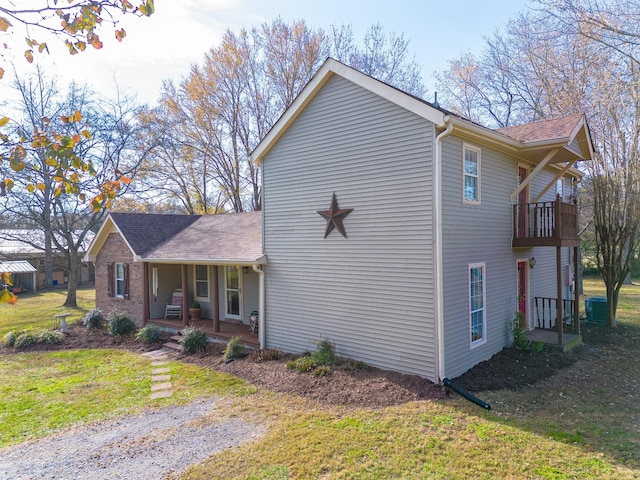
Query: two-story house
(410, 236)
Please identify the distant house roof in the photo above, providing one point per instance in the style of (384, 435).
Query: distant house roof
(233, 238)
(23, 241)
(18, 266)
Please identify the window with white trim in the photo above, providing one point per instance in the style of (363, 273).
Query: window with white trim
(120, 280)
(477, 302)
(202, 282)
(471, 174)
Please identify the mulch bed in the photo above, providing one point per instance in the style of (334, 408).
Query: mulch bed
(369, 387)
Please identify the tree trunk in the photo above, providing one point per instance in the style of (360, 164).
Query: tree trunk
(72, 284)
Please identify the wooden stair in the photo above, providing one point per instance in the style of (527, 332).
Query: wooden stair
(174, 344)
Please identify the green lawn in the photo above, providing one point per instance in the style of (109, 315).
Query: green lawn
(582, 423)
(38, 309)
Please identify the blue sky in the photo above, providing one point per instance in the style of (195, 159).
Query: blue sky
(177, 35)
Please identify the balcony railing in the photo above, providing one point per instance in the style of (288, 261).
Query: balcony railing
(545, 224)
(546, 314)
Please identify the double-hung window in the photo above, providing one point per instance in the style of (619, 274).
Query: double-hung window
(120, 280)
(471, 174)
(477, 302)
(202, 282)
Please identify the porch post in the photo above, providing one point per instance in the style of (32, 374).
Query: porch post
(576, 292)
(146, 309)
(185, 295)
(559, 313)
(216, 296)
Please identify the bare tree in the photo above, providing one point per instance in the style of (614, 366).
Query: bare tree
(213, 120)
(64, 217)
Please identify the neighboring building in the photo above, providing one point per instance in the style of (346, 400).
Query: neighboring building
(28, 244)
(442, 221)
(403, 233)
(142, 259)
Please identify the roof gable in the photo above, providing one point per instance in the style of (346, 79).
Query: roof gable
(328, 69)
(145, 231)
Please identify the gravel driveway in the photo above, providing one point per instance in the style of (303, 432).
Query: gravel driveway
(150, 445)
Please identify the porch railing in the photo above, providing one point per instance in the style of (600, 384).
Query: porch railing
(546, 314)
(545, 224)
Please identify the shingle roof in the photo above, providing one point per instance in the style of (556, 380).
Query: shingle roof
(226, 237)
(145, 231)
(31, 241)
(544, 130)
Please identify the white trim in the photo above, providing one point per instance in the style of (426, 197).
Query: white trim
(478, 151)
(195, 284)
(476, 343)
(438, 276)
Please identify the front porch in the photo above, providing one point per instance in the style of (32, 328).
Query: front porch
(550, 338)
(226, 331)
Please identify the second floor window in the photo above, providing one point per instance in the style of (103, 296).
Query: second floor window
(471, 182)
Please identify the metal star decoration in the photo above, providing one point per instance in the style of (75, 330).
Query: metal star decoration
(334, 217)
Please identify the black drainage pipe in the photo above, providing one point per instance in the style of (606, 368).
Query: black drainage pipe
(466, 394)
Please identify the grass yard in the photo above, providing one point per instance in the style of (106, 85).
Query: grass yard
(38, 309)
(582, 423)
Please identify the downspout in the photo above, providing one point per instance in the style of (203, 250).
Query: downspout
(437, 246)
(261, 311)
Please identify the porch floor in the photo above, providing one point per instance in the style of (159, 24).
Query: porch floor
(550, 338)
(228, 330)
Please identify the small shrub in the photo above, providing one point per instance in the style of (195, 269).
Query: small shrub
(193, 340)
(350, 365)
(235, 349)
(49, 336)
(93, 319)
(265, 355)
(325, 353)
(304, 364)
(120, 324)
(9, 339)
(28, 337)
(321, 371)
(521, 336)
(149, 334)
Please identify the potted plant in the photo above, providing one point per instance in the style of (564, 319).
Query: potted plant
(195, 310)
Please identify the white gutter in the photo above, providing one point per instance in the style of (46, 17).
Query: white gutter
(437, 247)
(261, 311)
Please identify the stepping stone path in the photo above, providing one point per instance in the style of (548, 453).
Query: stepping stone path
(161, 387)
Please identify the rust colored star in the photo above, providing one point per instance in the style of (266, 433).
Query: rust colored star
(334, 217)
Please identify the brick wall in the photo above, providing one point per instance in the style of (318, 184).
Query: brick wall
(116, 250)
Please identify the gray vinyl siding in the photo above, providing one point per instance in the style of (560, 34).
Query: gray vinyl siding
(482, 234)
(370, 293)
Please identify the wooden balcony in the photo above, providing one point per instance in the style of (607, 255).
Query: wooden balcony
(545, 224)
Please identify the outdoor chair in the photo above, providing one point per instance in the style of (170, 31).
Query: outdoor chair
(174, 309)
